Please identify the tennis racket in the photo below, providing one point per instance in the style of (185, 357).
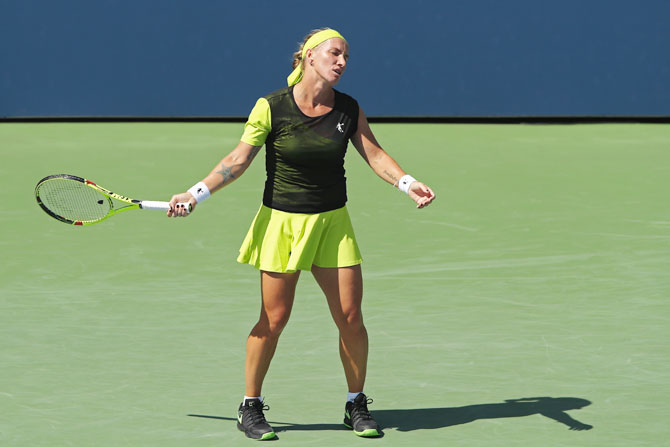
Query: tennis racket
(77, 201)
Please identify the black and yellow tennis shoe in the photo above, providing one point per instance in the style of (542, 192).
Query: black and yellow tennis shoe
(251, 420)
(358, 418)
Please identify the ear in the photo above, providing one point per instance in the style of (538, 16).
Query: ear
(308, 56)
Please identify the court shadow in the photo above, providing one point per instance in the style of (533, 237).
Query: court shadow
(283, 426)
(430, 418)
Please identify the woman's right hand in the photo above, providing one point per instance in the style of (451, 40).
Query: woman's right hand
(181, 211)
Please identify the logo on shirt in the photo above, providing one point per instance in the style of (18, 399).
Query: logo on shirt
(340, 127)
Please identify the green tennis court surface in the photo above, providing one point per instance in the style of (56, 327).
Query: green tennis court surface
(526, 305)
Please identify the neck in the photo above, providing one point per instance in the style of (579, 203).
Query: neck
(314, 91)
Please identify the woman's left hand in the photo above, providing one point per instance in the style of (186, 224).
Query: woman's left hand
(421, 194)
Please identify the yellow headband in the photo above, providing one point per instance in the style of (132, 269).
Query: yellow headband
(316, 39)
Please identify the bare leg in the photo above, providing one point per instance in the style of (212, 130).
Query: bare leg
(278, 292)
(343, 288)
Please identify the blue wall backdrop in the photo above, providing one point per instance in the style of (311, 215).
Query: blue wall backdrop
(194, 58)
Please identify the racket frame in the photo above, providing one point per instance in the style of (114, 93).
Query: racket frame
(130, 204)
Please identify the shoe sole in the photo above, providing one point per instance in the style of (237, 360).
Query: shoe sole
(263, 437)
(369, 433)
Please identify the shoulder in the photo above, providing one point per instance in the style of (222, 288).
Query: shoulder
(346, 99)
(278, 95)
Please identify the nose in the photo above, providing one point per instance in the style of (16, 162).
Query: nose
(342, 61)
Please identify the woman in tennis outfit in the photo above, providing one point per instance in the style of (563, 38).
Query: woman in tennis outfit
(303, 222)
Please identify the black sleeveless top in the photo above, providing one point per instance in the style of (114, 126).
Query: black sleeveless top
(305, 155)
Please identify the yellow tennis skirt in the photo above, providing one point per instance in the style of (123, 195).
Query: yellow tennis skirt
(287, 242)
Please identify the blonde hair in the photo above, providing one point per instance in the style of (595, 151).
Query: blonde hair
(297, 56)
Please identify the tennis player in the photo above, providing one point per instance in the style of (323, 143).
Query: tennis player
(303, 222)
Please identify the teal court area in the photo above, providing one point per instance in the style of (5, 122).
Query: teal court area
(527, 306)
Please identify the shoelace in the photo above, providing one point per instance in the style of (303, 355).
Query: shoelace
(360, 411)
(256, 413)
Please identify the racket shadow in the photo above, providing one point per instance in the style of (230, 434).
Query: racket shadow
(283, 426)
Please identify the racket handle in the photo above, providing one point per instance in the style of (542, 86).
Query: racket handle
(161, 206)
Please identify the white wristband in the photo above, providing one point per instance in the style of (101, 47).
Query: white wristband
(405, 182)
(200, 192)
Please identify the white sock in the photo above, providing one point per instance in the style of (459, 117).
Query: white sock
(247, 397)
(352, 396)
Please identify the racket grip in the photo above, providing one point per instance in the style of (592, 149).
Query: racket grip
(162, 206)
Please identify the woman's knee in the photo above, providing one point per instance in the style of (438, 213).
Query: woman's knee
(272, 324)
(277, 294)
(278, 323)
(351, 321)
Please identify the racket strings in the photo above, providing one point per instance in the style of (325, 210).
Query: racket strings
(73, 200)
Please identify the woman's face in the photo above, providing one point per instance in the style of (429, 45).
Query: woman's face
(329, 59)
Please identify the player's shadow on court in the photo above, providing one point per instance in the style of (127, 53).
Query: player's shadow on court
(430, 418)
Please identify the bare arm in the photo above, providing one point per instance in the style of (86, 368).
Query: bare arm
(230, 168)
(383, 164)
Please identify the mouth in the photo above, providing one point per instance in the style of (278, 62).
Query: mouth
(338, 71)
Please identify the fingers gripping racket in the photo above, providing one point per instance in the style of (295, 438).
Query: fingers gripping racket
(77, 201)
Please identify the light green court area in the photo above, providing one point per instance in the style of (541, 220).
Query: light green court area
(528, 306)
